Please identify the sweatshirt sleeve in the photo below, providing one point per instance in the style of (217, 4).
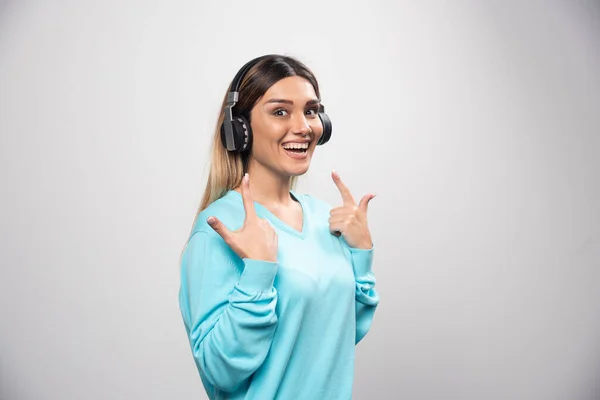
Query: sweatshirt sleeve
(367, 298)
(229, 311)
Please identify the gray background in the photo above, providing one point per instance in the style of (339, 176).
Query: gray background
(477, 124)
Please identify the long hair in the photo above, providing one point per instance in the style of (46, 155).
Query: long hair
(227, 169)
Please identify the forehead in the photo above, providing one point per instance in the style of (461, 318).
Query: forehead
(291, 88)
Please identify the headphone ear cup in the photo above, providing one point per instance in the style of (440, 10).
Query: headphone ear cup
(326, 122)
(242, 134)
(242, 125)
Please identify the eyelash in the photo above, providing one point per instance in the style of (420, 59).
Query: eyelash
(315, 110)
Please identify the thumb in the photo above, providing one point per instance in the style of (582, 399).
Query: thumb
(364, 202)
(220, 228)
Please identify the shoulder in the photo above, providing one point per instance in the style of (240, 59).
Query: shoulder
(204, 243)
(229, 209)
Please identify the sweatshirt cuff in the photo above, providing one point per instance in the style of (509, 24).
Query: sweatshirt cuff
(258, 275)
(362, 260)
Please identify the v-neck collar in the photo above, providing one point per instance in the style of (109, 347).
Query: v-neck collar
(264, 212)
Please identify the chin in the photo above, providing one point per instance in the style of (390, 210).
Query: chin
(296, 167)
(298, 170)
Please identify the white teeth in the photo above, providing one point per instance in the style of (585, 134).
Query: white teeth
(298, 146)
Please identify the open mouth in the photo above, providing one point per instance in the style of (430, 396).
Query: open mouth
(296, 148)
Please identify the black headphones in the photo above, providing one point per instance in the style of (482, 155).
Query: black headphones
(236, 133)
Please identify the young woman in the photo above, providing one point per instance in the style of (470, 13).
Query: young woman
(276, 287)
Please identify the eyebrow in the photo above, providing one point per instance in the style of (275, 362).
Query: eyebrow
(284, 101)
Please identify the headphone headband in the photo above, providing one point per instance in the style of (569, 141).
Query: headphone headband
(232, 96)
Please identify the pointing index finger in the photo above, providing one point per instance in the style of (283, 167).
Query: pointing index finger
(247, 198)
(344, 190)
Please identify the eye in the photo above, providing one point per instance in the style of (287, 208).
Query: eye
(280, 112)
(313, 111)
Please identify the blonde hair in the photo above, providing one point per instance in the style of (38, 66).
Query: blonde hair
(227, 168)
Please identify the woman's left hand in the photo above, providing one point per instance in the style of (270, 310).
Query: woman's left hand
(350, 220)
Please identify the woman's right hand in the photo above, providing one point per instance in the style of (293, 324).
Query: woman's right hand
(256, 239)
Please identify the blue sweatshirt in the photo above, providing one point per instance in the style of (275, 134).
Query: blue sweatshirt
(285, 330)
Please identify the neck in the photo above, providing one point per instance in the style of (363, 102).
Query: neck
(267, 187)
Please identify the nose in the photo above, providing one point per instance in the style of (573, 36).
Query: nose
(300, 125)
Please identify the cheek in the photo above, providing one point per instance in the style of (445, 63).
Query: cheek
(317, 128)
(267, 131)
(265, 141)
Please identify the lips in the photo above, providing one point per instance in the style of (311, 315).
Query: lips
(300, 151)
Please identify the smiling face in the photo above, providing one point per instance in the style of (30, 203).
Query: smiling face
(286, 127)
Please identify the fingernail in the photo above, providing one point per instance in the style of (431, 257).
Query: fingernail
(210, 220)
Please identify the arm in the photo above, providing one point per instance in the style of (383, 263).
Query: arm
(230, 316)
(349, 222)
(367, 298)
